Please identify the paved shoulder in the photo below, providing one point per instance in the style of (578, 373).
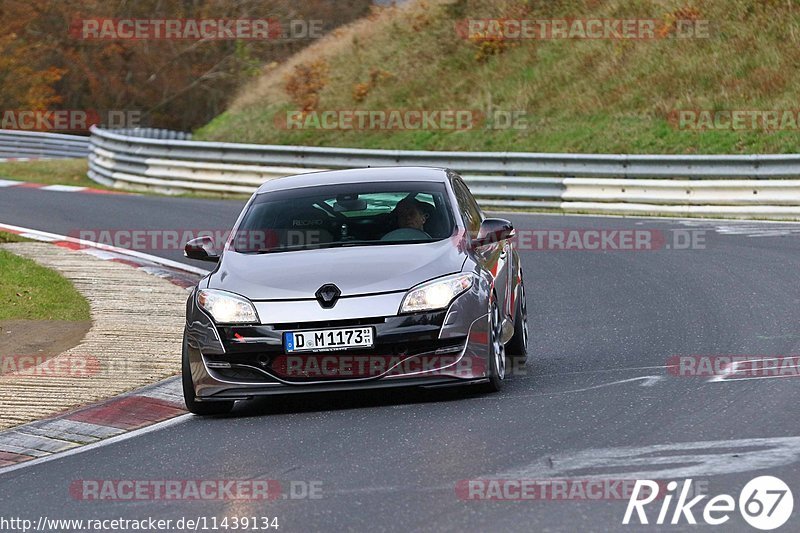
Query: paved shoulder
(135, 338)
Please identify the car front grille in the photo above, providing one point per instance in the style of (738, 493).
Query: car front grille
(294, 326)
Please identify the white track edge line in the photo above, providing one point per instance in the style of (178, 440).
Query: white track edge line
(122, 251)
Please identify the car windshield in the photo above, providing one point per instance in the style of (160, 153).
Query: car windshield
(361, 214)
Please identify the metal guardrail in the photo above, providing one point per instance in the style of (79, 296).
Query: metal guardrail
(25, 144)
(155, 133)
(765, 186)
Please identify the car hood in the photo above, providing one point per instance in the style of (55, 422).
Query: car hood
(356, 270)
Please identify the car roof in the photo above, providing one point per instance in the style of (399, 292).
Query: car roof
(355, 175)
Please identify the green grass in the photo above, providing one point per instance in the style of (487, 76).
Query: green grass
(73, 172)
(11, 237)
(29, 291)
(50, 172)
(592, 96)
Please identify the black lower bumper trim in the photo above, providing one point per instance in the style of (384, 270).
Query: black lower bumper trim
(249, 393)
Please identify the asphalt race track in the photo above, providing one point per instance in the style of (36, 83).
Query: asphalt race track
(595, 400)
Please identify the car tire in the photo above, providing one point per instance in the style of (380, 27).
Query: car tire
(517, 347)
(497, 351)
(192, 405)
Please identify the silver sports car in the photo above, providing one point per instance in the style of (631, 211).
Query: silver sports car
(354, 279)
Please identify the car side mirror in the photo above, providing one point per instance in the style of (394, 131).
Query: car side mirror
(201, 248)
(493, 230)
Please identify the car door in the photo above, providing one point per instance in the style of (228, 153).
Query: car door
(493, 257)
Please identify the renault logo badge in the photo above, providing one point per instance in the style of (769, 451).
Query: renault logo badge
(328, 295)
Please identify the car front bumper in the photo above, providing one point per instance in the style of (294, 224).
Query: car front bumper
(431, 349)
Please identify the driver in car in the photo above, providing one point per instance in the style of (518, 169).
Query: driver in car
(411, 217)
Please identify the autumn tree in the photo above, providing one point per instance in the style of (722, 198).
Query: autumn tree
(180, 84)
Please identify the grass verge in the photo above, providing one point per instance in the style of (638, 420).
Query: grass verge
(11, 237)
(50, 172)
(29, 291)
(73, 172)
(576, 95)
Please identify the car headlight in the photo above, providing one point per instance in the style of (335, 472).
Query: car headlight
(436, 294)
(226, 307)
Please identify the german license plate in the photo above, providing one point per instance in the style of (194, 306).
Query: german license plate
(329, 339)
